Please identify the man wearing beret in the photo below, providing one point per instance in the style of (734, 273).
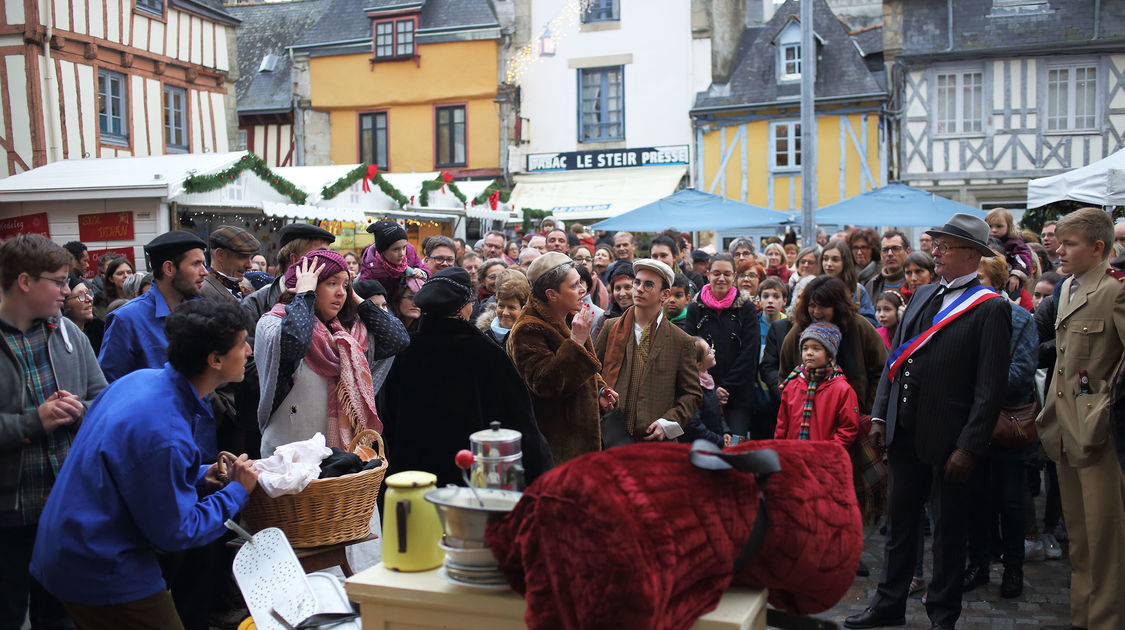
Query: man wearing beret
(231, 249)
(134, 333)
(297, 239)
(649, 361)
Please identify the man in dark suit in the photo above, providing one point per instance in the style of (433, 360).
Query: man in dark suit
(937, 405)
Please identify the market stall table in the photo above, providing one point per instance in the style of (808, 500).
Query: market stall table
(424, 601)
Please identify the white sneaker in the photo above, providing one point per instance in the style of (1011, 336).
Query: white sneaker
(1050, 546)
(1033, 551)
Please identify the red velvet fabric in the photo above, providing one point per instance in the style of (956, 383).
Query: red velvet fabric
(636, 537)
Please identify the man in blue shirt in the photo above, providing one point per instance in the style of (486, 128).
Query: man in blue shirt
(129, 487)
(134, 333)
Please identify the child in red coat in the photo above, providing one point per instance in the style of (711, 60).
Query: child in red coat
(816, 401)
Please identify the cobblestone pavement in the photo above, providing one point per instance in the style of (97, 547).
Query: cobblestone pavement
(1045, 599)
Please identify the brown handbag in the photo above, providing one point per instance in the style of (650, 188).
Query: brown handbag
(1015, 428)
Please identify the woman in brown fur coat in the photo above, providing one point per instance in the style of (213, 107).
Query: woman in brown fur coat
(551, 347)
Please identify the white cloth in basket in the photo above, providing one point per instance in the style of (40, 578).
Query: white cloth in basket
(292, 466)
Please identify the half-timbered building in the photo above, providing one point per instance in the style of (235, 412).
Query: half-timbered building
(107, 78)
(989, 94)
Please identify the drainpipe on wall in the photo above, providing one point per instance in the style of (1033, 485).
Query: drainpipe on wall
(298, 116)
(1097, 18)
(503, 96)
(51, 84)
(949, 23)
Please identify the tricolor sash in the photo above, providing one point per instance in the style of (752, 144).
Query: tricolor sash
(967, 301)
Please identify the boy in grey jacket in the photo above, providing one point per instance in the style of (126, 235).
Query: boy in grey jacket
(48, 377)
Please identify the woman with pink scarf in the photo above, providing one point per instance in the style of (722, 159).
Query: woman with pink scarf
(392, 260)
(728, 320)
(316, 350)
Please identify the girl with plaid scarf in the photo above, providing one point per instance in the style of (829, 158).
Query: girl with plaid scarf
(816, 401)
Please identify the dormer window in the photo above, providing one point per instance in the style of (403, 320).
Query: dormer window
(789, 52)
(394, 39)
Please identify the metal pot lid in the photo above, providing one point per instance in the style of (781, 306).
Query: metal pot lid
(494, 435)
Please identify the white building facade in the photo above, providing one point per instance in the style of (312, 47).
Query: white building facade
(603, 102)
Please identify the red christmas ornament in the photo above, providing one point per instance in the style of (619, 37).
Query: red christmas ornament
(494, 199)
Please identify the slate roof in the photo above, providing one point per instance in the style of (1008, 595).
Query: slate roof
(268, 29)
(982, 26)
(841, 71)
(869, 40)
(346, 20)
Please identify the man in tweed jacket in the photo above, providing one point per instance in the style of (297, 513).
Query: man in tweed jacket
(649, 361)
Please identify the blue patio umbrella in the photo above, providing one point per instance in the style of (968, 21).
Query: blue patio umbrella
(894, 205)
(692, 210)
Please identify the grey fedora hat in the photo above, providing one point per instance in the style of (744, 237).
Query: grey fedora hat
(967, 228)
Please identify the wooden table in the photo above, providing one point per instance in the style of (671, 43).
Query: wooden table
(317, 558)
(425, 601)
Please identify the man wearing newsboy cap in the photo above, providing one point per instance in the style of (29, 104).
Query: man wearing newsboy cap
(937, 402)
(231, 249)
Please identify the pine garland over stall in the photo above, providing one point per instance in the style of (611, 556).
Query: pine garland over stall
(254, 164)
(360, 172)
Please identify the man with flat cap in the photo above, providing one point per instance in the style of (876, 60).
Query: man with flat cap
(297, 239)
(649, 362)
(231, 249)
(134, 333)
(937, 402)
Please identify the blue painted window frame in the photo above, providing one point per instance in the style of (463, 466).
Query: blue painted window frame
(599, 104)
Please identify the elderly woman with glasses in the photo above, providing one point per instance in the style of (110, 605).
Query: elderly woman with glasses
(79, 308)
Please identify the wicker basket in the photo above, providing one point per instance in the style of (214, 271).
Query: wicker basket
(327, 511)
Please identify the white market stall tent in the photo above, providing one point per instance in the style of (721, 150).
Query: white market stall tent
(1099, 184)
(116, 205)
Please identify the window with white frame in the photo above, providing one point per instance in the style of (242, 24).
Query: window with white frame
(175, 118)
(601, 104)
(1072, 98)
(111, 107)
(789, 52)
(785, 146)
(960, 102)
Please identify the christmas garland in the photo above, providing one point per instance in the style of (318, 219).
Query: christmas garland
(353, 176)
(249, 162)
(445, 179)
(480, 199)
(530, 215)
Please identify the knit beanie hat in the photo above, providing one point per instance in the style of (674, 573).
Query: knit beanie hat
(367, 288)
(445, 293)
(333, 263)
(386, 233)
(824, 333)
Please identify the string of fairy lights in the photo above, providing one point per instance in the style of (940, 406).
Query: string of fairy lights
(557, 27)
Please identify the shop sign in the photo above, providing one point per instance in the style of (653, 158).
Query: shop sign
(114, 252)
(608, 158)
(26, 224)
(105, 226)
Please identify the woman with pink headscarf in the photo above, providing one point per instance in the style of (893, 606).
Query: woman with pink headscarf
(322, 355)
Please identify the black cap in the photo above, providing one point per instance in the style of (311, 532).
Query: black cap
(367, 288)
(294, 231)
(445, 293)
(171, 244)
(386, 233)
(698, 255)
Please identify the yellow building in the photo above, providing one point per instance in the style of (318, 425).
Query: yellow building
(408, 85)
(748, 131)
